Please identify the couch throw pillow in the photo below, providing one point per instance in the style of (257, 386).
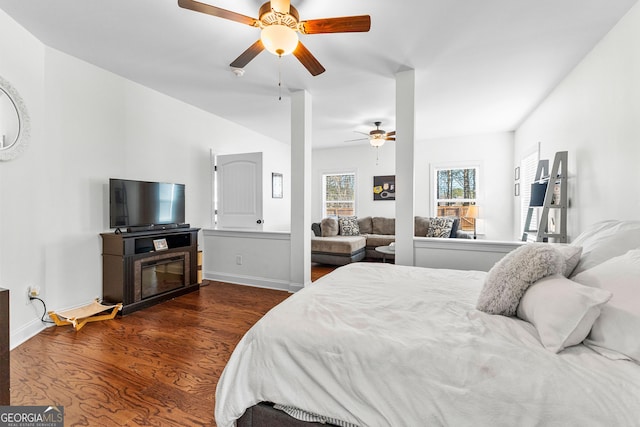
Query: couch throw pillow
(454, 227)
(385, 226)
(510, 277)
(365, 225)
(348, 226)
(329, 227)
(421, 226)
(440, 227)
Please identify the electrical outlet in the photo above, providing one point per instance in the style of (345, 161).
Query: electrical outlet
(239, 259)
(32, 292)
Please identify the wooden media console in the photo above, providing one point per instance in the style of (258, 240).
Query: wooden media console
(139, 273)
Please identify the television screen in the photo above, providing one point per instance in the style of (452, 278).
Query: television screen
(140, 203)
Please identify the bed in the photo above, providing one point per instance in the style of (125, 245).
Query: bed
(383, 345)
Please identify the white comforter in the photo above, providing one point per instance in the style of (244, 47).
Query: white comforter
(384, 345)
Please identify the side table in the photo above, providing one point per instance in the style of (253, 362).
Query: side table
(386, 251)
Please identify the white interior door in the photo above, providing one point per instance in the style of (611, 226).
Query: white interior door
(239, 190)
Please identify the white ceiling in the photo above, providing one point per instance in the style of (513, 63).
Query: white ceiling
(481, 65)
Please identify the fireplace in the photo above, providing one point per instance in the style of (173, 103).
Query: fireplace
(158, 274)
(139, 276)
(161, 276)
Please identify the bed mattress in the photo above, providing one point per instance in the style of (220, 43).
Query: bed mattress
(380, 345)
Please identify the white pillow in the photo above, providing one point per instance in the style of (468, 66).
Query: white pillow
(618, 327)
(604, 240)
(571, 255)
(510, 277)
(562, 310)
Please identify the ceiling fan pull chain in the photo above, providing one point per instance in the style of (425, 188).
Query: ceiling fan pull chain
(279, 78)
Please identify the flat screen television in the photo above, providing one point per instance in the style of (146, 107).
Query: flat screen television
(141, 203)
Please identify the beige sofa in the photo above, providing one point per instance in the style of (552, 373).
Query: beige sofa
(330, 245)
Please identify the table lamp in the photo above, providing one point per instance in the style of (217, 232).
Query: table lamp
(472, 212)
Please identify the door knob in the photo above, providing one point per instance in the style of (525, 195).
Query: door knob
(259, 221)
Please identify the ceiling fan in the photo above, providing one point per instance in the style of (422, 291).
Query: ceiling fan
(280, 25)
(377, 137)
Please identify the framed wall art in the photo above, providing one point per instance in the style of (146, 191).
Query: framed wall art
(276, 185)
(384, 187)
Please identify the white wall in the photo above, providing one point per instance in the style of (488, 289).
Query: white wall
(21, 193)
(277, 212)
(358, 158)
(492, 152)
(594, 114)
(178, 125)
(256, 258)
(89, 125)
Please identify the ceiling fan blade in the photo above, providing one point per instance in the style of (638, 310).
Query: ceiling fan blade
(308, 60)
(345, 24)
(392, 133)
(216, 11)
(389, 139)
(246, 56)
(359, 139)
(281, 6)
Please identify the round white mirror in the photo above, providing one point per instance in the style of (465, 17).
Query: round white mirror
(14, 122)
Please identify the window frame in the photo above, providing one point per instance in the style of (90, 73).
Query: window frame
(468, 223)
(324, 191)
(528, 168)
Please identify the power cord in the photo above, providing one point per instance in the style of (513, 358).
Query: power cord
(45, 309)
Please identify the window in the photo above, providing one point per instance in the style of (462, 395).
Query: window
(456, 190)
(528, 168)
(339, 194)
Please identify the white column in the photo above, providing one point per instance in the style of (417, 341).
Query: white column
(300, 189)
(405, 131)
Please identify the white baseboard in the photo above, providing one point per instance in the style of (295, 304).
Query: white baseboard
(26, 332)
(295, 287)
(258, 282)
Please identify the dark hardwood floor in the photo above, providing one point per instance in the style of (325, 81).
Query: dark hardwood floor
(155, 367)
(319, 270)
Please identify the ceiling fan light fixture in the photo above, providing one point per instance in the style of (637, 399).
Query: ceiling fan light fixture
(279, 39)
(376, 140)
(281, 6)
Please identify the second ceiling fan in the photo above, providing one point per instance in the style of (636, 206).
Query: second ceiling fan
(377, 136)
(280, 25)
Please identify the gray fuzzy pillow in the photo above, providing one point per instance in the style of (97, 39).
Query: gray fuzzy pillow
(329, 227)
(510, 277)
